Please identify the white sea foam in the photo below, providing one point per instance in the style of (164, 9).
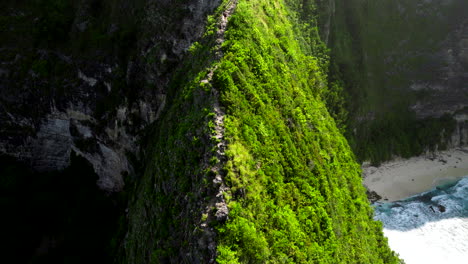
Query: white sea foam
(444, 241)
(431, 227)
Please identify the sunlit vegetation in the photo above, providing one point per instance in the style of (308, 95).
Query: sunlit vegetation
(296, 189)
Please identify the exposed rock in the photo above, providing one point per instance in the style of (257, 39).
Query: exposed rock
(222, 212)
(448, 83)
(372, 196)
(441, 208)
(51, 148)
(410, 72)
(460, 134)
(92, 95)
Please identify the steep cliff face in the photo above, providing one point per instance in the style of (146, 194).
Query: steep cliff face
(82, 78)
(404, 64)
(222, 104)
(88, 77)
(245, 165)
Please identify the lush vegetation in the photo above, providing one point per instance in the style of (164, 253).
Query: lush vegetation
(295, 189)
(296, 193)
(401, 133)
(165, 213)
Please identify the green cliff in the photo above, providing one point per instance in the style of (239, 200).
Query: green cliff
(246, 165)
(214, 131)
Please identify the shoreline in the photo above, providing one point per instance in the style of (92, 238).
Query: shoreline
(401, 178)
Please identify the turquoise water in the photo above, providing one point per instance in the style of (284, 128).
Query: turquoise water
(446, 201)
(431, 227)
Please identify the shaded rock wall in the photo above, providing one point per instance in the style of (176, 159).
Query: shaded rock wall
(404, 65)
(88, 76)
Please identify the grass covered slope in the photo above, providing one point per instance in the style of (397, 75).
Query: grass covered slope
(171, 217)
(296, 194)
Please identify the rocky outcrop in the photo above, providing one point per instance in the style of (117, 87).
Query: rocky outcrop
(459, 136)
(446, 93)
(93, 86)
(218, 202)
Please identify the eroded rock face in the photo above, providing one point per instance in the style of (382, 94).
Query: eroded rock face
(447, 90)
(448, 86)
(94, 87)
(460, 134)
(406, 66)
(426, 55)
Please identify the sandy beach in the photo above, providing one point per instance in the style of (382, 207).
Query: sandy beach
(402, 178)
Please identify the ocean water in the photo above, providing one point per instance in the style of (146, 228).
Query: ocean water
(431, 227)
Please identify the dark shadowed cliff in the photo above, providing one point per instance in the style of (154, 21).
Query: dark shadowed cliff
(212, 131)
(404, 67)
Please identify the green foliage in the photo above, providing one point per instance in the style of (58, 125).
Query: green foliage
(401, 134)
(335, 100)
(165, 213)
(194, 47)
(296, 190)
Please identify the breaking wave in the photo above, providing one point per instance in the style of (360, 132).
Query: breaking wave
(431, 227)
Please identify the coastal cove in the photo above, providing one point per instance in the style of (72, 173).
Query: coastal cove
(423, 206)
(430, 227)
(234, 131)
(401, 178)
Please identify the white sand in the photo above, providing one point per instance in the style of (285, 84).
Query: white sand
(402, 178)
